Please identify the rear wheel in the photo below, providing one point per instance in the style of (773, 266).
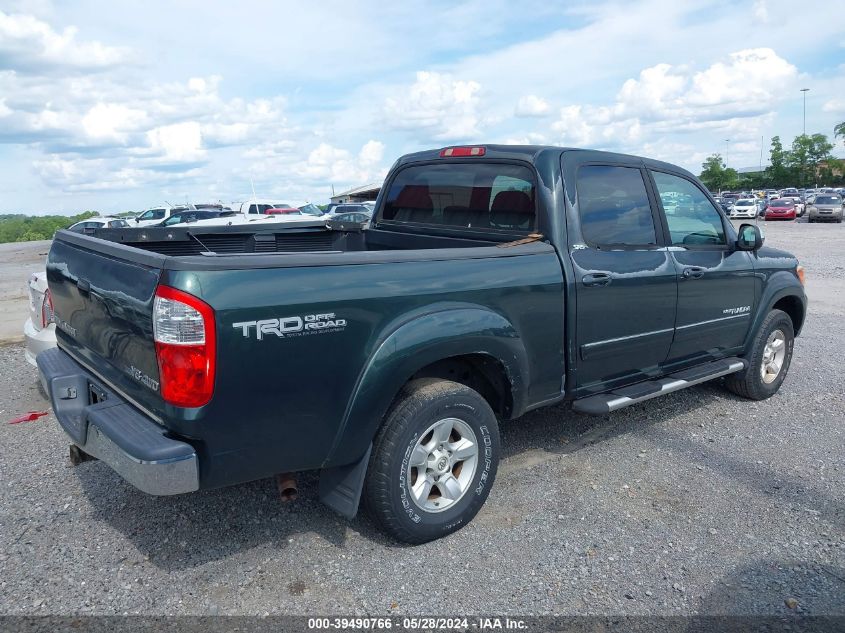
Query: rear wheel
(771, 354)
(433, 462)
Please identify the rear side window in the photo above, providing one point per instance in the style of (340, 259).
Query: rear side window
(692, 219)
(485, 196)
(614, 207)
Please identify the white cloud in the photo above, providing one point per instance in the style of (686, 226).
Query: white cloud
(112, 121)
(28, 44)
(735, 97)
(436, 104)
(532, 106)
(180, 142)
(761, 11)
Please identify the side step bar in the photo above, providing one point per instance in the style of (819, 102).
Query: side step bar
(602, 403)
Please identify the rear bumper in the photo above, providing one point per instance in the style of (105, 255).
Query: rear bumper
(114, 431)
(37, 341)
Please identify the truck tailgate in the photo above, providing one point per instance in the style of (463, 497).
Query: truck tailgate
(103, 302)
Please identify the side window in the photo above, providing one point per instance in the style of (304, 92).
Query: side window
(253, 209)
(614, 207)
(691, 217)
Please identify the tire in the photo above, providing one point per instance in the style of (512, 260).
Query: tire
(407, 435)
(751, 383)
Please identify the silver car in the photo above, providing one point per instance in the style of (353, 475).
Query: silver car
(826, 207)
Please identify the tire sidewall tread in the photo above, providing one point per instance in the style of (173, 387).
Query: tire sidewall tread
(387, 495)
(749, 384)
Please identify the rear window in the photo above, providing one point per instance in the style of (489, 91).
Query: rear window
(485, 196)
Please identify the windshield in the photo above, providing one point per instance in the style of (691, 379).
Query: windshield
(782, 203)
(828, 200)
(152, 214)
(310, 209)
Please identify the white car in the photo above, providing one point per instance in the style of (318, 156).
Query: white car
(99, 223)
(39, 329)
(152, 216)
(258, 206)
(745, 208)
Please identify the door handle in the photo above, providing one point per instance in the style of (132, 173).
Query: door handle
(596, 279)
(693, 272)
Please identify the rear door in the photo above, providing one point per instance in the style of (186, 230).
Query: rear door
(102, 300)
(626, 284)
(715, 281)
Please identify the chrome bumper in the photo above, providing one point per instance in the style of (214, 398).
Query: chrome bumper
(114, 431)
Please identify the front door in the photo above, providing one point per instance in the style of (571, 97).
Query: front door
(715, 281)
(626, 283)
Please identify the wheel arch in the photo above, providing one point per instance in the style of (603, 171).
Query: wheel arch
(471, 345)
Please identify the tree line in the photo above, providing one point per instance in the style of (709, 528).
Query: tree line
(25, 228)
(806, 163)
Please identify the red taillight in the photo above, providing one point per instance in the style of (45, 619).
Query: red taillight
(47, 315)
(183, 329)
(451, 152)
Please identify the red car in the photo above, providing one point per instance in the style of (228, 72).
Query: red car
(282, 211)
(780, 209)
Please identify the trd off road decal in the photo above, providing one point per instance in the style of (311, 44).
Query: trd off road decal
(291, 326)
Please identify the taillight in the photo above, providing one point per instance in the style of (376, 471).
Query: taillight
(183, 329)
(47, 315)
(450, 152)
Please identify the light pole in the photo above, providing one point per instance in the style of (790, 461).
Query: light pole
(805, 90)
(727, 151)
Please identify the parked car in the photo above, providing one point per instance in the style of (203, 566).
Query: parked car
(826, 207)
(98, 223)
(352, 216)
(195, 215)
(781, 209)
(259, 206)
(478, 293)
(350, 207)
(152, 216)
(39, 329)
(745, 208)
(309, 208)
(796, 198)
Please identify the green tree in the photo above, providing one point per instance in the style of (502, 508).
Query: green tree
(777, 172)
(716, 176)
(804, 159)
(839, 130)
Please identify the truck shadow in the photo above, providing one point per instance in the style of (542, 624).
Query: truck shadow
(190, 530)
(186, 531)
(783, 590)
(543, 435)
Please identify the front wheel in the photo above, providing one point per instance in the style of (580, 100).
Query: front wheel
(771, 354)
(433, 462)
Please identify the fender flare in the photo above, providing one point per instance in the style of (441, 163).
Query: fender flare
(415, 341)
(779, 285)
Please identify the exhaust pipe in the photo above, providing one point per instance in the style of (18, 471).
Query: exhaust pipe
(286, 484)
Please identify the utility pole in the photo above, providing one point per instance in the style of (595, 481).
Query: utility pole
(805, 90)
(727, 151)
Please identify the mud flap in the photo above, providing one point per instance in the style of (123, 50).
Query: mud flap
(340, 488)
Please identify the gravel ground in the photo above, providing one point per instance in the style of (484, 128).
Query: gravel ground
(18, 260)
(698, 502)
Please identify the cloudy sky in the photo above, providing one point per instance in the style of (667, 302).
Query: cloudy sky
(119, 106)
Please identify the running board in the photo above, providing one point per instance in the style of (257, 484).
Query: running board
(602, 403)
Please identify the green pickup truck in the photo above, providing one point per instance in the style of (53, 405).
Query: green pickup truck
(492, 280)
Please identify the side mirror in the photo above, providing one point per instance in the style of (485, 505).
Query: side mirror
(750, 238)
(137, 220)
